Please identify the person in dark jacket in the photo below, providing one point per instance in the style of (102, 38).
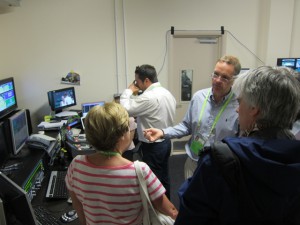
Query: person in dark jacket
(262, 185)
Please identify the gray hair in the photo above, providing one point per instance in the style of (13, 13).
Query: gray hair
(276, 92)
(232, 60)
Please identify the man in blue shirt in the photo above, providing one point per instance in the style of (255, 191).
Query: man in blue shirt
(211, 115)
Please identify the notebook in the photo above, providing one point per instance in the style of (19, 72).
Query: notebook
(85, 107)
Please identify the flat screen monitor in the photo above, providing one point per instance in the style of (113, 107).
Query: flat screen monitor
(86, 107)
(8, 98)
(293, 63)
(18, 126)
(61, 99)
(16, 203)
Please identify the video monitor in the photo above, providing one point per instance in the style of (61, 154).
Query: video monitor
(8, 98)
(16, 203)
(293, 63)
(86, 107)
(18, 126)
(298, 65)
(61, 99)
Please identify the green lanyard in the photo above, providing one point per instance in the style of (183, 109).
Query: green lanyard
(217, 117)
(154, 86)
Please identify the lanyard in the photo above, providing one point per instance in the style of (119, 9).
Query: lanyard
(154, 86)
(217, 117)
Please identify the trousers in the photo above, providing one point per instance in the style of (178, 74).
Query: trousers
(189, 167)
(156, 155)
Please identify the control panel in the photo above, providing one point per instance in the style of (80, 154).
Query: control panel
(34, 181)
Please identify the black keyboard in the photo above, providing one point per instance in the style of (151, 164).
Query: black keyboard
(57, 188)
(44, 217)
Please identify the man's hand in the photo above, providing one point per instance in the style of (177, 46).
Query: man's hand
(152, 134)
(134, 88)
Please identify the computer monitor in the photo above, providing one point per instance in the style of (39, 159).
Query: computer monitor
(293, 63)
(8, 98)
(86, 107)
(18, 130)
(61, 99)
(17, 206)
(297, 68)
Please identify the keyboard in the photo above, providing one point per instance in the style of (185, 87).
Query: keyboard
(57, 188)
(44, 217)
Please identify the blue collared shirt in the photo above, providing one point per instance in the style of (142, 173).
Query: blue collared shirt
(227, 125)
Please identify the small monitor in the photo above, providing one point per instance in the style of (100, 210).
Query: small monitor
(16, 203)
(293, 63)
(61, 99)
(86, 107)
(297, 68)
(18, 126)
(8, 98)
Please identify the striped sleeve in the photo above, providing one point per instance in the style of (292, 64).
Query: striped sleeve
(154, 186)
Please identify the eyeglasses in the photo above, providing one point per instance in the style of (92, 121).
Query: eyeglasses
(223, 78)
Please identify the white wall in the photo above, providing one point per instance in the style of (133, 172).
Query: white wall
(42, 40)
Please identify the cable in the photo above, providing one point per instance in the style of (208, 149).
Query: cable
(245, 47)
(166, 50)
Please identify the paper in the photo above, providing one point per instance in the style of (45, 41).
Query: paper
(52, 125)
(66, 113)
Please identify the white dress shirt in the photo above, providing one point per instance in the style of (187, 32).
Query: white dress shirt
(154, 108)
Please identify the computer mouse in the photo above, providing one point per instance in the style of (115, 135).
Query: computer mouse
(69, 216)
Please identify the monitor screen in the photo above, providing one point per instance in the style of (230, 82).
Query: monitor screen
(293, 63)
(85, 107)
(61, 99)
(8, 98)
(17, 206)
(18, 125)
(298, 65)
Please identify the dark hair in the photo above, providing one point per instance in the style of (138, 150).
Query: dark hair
(146, 71)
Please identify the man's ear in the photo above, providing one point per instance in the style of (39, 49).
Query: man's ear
(147, 80)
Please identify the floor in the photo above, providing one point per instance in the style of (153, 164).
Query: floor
(176, 168)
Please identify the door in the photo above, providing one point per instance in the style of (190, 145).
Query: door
(192, 60)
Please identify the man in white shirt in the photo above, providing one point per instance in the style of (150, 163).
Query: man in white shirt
(155, 107)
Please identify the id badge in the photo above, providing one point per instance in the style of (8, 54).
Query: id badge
(197, 146)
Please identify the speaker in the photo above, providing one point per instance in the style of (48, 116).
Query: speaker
(29, 121)
(4, 153)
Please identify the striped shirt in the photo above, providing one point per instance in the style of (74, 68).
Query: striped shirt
(110, 195)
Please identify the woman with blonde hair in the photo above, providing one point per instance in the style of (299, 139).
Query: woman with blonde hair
(103, 186)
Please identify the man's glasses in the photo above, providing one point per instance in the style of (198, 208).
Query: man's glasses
(223, 78)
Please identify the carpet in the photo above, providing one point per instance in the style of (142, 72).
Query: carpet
(176, 171)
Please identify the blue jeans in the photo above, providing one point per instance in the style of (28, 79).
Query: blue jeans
(156, 155)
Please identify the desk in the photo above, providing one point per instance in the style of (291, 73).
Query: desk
(30, 158)
(56, 207)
